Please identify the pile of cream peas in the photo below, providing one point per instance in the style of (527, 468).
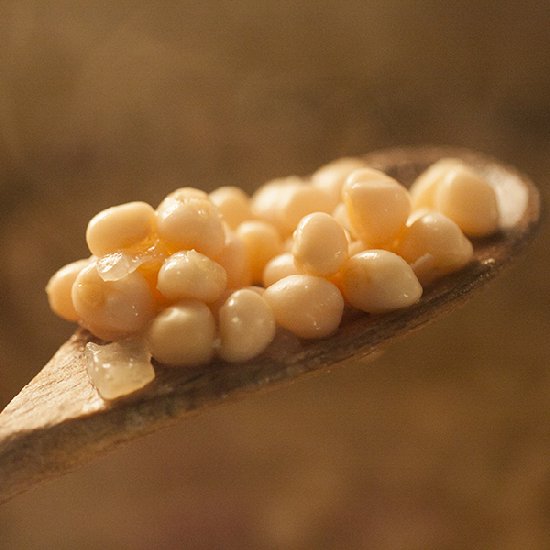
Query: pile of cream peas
(217, 274)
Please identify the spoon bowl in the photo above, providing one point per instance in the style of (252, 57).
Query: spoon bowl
(58, 421)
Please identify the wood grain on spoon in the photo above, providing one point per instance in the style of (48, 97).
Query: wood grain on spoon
(58, 421)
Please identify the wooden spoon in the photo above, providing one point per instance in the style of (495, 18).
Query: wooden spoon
(58, 421)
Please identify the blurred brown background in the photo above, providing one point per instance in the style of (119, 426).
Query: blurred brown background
(442, 443)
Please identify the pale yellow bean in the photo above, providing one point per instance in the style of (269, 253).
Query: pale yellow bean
(439, 237)
(112, 309)
(190, 274)
(267, 199)
(217, 305)
(320, 245)
(332, 176)
(378, 280)
(247, 326)
(284, 203)
(470, 201)
(424, 188)
(184, 193)
(120, 227)
(191, 222)
(306, 305)
(377, 206)
(299, 202)
(233, 204)
(59, 290)
(340, 214)
(183, 334)
(279, 267)
(262, 242)
(234, 259)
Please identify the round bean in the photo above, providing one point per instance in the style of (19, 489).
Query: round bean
(59, 289)
(247, 326)
(320, 245)
(183, 334)
(441, 238)
(306, 305)
(377, 206)
(378, 280)
(120, 227)
(191, 223)
(470, 201)
(262, 242)
(233, 204)
(190, 274)
(112, 309)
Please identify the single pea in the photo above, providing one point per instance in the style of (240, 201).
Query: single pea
(424, 187)
(120, 227)
(378, 280)
(112, 309)
(439, 237)
(191, 223)
(377, 206)
(308, 306)
(233, 204)
(279, 267)
(331, 177)
(470, 201)
(183, 334)
(59, 289)
(190, 274)
(320, 245)
(247, 326)
(234, 259)
(262, 242)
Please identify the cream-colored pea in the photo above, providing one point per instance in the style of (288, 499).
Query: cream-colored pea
(377, 206)
(439, 237)
(183, 334)
(306, 305)
(184, 193)
(468, 200)
(59, 289)
(233, 204)
(262, 242)
(190, 274)
(320, 245)
(234, 259)
(285, 203)
(301, 201)
(120, 227)
(424, 188)
(279, 267)
(340, 214)
(112, 309)
(266, 200)
(378, 280)
(217, 305)
(191, 222)
(331, 177)
(247, 326)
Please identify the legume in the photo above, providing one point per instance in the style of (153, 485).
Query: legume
(246, 324)
(174, 283)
